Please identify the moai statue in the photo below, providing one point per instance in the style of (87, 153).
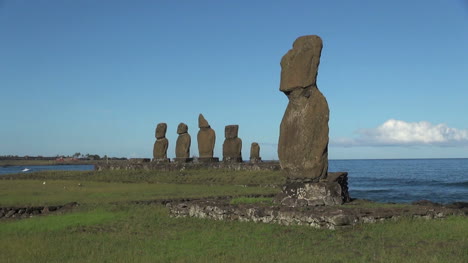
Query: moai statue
(206, 138)
(232, 145)
(183, 144)
(161, 144)
(303, 140)
(255, 153)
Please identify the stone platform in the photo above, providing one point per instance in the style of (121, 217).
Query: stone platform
(196, 164)
(207, 160)
(182, 160)
(330, 191)
(327, 217)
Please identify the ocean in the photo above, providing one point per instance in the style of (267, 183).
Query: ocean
(390, 180)
(36, 168)
(406, 180)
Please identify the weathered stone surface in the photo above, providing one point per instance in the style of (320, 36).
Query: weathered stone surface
(303, 141)
(202, 122)
(299, 66)
(206, 138)
(207, 159)
(161, 129)
(232, 146)
(328, 217)
(231, 131)
(27, 212)
(183, 146)
(255, 153)
(331, 191)
(232, 150)
(182, 128)
(160, 149)
(161, 144)
(182, 160)
(198, 163)
(139, 160)
(183, 142)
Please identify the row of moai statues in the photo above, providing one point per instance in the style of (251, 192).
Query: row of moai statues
(206, 137)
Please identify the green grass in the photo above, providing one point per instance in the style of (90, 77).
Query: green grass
(196, 176)
(107, 227)
(145, 233)
(58, 222)
(34, 192)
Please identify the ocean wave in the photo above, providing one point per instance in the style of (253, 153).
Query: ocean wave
(370, 191)
(463, 184)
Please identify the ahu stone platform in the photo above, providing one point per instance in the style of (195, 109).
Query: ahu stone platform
(145, 164)
(326, 217)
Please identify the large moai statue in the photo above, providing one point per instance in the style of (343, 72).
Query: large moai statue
(303, 141)
(183, 144)
(161, 144)
(206, 138)
(232, 146)
(255, 153)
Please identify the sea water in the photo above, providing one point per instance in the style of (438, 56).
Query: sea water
(37, 168)
(406, 180)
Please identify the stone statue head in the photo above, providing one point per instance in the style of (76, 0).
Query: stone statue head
(202, 122)
(182, 128)
(299, 67)
(230, 131)
(161, 129)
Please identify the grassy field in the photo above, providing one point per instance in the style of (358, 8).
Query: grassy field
(107, 227)
(55, 192)
(196, 176)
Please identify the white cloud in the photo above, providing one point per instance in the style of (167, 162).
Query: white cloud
(401, 133)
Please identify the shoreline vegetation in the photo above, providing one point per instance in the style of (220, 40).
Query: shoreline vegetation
(117, 221)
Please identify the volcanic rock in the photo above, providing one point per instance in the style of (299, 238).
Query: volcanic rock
(303, 141)
(183, 142)
(161, 144)
(206, 138)
(255, 153)
(232, 146)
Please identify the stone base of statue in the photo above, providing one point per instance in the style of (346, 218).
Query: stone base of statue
(140, 160)
(182, 160)
(330, 191)
(208, 159)
(232, 159)
(255, 160)
(163, 160)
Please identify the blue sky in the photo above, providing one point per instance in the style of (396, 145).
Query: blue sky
(97, 76)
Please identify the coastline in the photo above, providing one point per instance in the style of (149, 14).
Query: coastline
(7, 163)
